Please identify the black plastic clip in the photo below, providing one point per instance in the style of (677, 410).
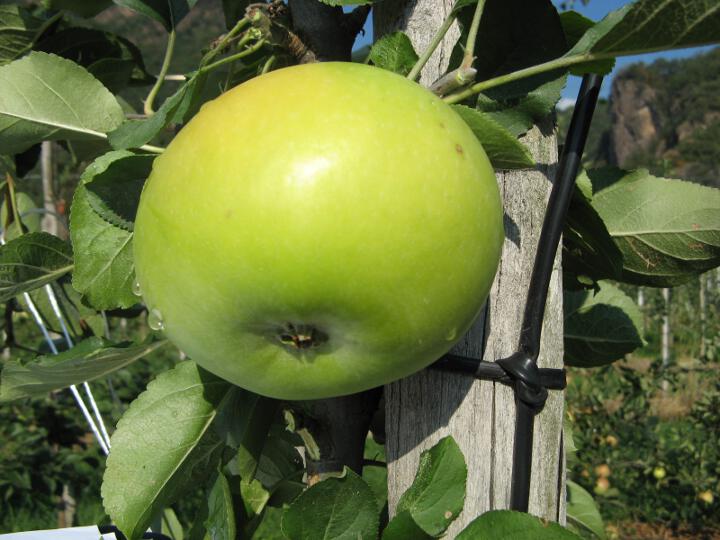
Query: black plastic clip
(505, 371)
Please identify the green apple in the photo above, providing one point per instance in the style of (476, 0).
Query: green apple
(318, 231)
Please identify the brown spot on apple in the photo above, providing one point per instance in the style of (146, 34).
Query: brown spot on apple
(459, 149)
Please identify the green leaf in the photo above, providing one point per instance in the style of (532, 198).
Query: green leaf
(519, 105)
(376, 475)
(114, 73)
(650, 25)
(101, 223)
(220, 523)
(374, 450)
(254, 497)
(135, 133)
(171, 526)
(164, 446)
(588, 249)
(245, 425)
(569, 440)
(279, 463)
(7, 166)
(582, 510)
(104, 269)
(113, 60)
(334, 509)
(18, 31)
(461, 4)
(166, 12)
(575, 26)
(84, 8)
(255, 437)
(26, 208)
(601, 327)
(88, 360)
(437, 493)
(501, 146)
(44, 97)
(395, 53)
(667, 230)
(114, 182)
(30, 261)
(402, 526)
(510, 525)
(515, 34)
(269, 527)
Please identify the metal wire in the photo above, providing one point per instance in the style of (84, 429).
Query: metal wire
(61, 320)
(73, 389)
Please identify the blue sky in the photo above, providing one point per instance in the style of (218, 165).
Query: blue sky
(595, 10)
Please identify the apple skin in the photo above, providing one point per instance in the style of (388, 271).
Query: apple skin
(336, 199)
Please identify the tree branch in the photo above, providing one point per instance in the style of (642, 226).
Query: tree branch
(334, 431)
(326, 30)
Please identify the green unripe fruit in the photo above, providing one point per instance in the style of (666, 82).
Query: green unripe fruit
(318, 231)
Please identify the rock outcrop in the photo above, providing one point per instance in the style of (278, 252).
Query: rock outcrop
(635, 125)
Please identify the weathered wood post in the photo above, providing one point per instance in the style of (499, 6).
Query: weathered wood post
(480, 415)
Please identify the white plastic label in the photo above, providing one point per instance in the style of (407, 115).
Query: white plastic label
(73, 533)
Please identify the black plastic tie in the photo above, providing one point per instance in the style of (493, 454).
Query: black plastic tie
(528, 384)
(324, 467)
(549, 378)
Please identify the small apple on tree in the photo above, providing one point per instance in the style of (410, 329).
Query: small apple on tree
(319, 231)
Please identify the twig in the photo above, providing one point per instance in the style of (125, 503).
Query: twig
(220, 45)
(468, 57)
(551, 65)
(148, 109)
(457, 78)
(233, 57)
(12, 203)
(514, 76)
(268, 65)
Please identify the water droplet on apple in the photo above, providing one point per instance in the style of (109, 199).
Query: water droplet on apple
(136, 288)
(155, 320)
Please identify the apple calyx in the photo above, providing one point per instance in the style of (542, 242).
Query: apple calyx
(301, 336)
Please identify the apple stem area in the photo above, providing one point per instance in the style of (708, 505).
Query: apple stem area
(301, 336)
